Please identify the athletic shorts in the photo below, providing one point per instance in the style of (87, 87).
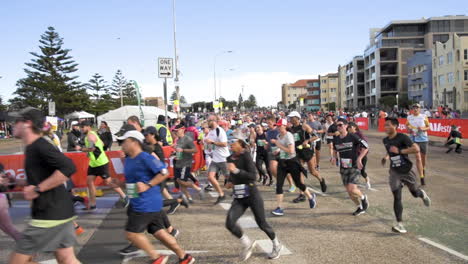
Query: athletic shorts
(272, 156)
(350, 176)
(101, 171)
(139, 222)
(218, 167)
(329, 141)
(423, 146)
(305, 154)
(397, 179)
(182, 174)
(36, 239)
(318, 145)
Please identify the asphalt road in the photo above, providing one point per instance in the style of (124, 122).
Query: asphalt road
(327, 234)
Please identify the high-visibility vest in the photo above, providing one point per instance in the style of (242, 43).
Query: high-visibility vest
(102, 158)
(168, 133)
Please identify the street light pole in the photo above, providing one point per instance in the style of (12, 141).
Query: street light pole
(176, 58)
(214, 69)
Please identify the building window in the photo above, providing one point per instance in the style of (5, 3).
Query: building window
(441, 60)
(289, 95)
(449, 97)
(458, 76)
(441, 80)
(435, 64)
(465, 54)
(324, 90)
(458, 55)
(466, 75)
(450, 77)
(324, 100)
(449, 58)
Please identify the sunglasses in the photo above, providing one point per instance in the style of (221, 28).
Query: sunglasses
(339, 125)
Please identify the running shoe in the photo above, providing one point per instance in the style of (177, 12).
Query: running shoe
(86, 201)
(175, 233)
(90, 208)
(265, 179)
(292, 189)
(426, 199)
(173, 208)
(175, 190)
(300, 198)
(323, 185)
(368, 185)
(276, 252)
(313, 201)
(359, 211)
(188, 259)
(209, 188)
(201, 193)
(278, 212)
(247, 251)
(220, 199)
(365, 203)
(129, 250)
(79, 230)
(161, 260)
(190, 200)
(448, 151)
(399, 228)
(185, 201)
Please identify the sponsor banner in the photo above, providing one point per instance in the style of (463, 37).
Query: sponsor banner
(14, 166)
(438, 127)
(363, 123)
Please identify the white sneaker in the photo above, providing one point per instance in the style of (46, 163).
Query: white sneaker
(426, 199)
(399, 228)
(276, 253)
(368, 185)
(247, 251)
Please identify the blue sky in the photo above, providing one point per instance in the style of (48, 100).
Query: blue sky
(273, 41)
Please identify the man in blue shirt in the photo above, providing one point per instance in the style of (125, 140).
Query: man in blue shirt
(143, 173)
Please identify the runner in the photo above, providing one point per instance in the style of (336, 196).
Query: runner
(455, 137)
(185, 148)
(319, 129)
(143, 173)
(272, 133)
(354, 129)
(74, 137)
(6, 225)
(305, 152)
(51, 226)
(217, 141)
(246, 195)
(348, 145)
(398, 147)
(98, 165)
(332, 131)
(418, 125)
(288, 163)
(262, 156)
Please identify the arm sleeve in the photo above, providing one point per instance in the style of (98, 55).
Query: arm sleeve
(360, 141)
(289, 139)
(57, 160)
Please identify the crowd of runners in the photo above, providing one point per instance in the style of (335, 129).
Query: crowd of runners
(241, 152)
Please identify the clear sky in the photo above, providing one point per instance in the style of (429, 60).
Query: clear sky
(274, 41)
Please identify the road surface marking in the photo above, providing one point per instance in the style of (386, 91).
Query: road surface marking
(267, 246)
(444, 248)
(50, 261)
(247, 222)
(317, 192)
(365, 187)
(141, 253)
(214, 194)
(225, 206)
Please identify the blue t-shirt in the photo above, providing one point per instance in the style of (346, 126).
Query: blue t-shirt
(143, 168)
(272, 134)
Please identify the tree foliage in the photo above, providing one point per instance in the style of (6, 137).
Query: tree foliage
(101, 100)
(251, 102)
(119, 82)
(50, 77)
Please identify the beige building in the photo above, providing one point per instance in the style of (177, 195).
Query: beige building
(450, 73)
(328, 90)
(341, 87)
(291, 92)
(154, 101)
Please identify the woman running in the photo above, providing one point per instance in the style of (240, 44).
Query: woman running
(242, 179)
(354, 128)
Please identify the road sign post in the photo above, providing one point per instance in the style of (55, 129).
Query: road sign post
(52, 108)
(165, 70)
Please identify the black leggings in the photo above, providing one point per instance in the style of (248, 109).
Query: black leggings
(363, 171)
(293, 167)
(169, 202)
(398, 205)
(451, 142)
(263, 158)
(238, 207)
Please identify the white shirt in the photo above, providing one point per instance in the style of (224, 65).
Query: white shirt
(364, 114)
(219, 153)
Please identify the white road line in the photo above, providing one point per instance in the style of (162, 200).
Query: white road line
(444, 248)
(317, 192)
(225, 206)
(247, 222)
(267, 246)
(214, 194)
(50, 261)
(141, 253)
(365, 187)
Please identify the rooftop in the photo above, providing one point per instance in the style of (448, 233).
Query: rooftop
(422, 21)
(301, 83)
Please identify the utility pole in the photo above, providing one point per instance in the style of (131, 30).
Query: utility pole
(176, 58)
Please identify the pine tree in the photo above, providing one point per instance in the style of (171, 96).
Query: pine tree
(101, 100)
(240, 102)
(2, 106)
(128, 91)
(182, 98)
(49, 78)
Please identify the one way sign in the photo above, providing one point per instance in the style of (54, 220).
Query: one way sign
(165, 67)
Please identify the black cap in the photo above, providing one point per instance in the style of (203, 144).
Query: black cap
(85, 123)
(124, 129)
(30, 114)
(180, 126)
(150, 130)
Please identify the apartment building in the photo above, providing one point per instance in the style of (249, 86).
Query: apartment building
(385, 60)
(312, 100)
(341, 87)
(354, 93)
(154, 101)
(329, 91)
(450, 73)
(420, 78)
(290, 93)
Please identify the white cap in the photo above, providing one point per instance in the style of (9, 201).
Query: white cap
(74, 123)
(295, 114)
(132, 134)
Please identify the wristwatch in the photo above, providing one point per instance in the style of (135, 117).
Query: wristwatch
(149, 184)
(37, 190)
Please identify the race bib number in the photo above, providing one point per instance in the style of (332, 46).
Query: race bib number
(284, 155)
(346, 163)
(132, 191)
(260, 143)
(329, 137)
(397, 161)
(297, 137)
(241, 191)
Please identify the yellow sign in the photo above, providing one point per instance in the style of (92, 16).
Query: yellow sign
(176, 102)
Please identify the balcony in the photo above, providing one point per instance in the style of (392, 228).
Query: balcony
(416, 76)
